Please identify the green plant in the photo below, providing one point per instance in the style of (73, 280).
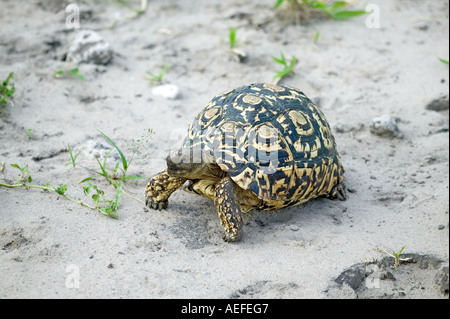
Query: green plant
(237, 54)
(396, 256)
(157, 79)
(316, 37)
(101, 204)
(73, 72)
(443, 61)
(232, 37)
(287, 69)
(72, 158)
(333, 10)
(7, 89)
(25, 180)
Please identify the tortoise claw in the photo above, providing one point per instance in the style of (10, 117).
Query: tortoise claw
(339, 191)
(231, 237)
(150, 203)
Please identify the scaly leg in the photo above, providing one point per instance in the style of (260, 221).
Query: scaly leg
(159, 188)
(339, 191)
(228, 209)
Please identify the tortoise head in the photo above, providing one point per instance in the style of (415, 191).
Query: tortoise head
(192, 165)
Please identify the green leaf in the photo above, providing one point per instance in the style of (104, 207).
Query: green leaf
(59, 73)
(16, 166)
(279, 2)
(344, 15)
(124, 161)
(86, 179)
(401, 250)
(318, 5)
(232, 37)
(293, 61)
(443, 61)
(76, 73)
(335, 6)
(278, 60)
(316, 37)
(104, 172)
(61, 189)
(87, 189)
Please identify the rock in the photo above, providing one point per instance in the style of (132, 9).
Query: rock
(439, 104)
(89, 47)
(100, 149)
(168, 91)
(385, 126)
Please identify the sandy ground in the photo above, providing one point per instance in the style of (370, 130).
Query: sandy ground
(53, 248)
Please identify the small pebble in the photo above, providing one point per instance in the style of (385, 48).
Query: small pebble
(385, 126)
(168, 91)
(89, 47)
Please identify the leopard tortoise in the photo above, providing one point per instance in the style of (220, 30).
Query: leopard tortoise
(258, 146)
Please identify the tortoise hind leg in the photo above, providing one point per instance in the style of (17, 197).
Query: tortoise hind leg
(339, 191)
(228, 209)
(159, 189)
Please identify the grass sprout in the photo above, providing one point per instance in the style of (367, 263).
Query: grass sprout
(443, 61)
(237, 54)
(287, 68)
(396, 256)
(334, 10)
(73, 72)
(25, 180)
(116, 176)
(157, 78)
(72, 158)
(232, 37)
(7, 89)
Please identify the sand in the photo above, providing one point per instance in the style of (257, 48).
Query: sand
(51, 247)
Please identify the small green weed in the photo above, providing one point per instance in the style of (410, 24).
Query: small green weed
(7, 89)
(396, 256)
(232, 37)
(73, 72)
(443, 61)
(237, 54)
(157, 78)
(72, 158)
(287, 69)
(333, 10)
(316, 37)
(25, 180)
(116, 177)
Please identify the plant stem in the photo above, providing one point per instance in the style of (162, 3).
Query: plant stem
(16, 184)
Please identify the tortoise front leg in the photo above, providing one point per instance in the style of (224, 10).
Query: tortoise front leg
(159, 188)
(228, 209)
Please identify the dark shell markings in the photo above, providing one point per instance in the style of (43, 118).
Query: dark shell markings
(272, 143)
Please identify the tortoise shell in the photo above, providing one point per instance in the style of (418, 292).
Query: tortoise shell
(271, 140)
